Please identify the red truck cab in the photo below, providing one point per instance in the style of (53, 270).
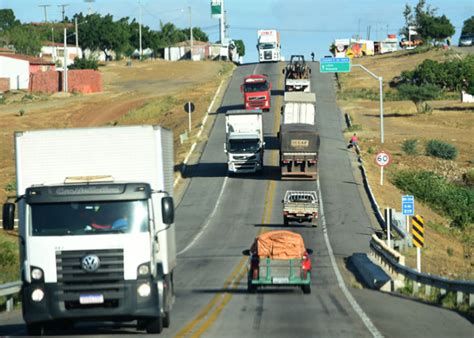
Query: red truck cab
(256, 90)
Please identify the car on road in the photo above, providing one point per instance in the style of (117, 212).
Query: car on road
(466, 40)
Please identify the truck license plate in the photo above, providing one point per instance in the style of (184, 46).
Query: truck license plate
(301, 215)
(91, 299)
(280, 280)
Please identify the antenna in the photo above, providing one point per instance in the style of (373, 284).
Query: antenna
(89, 10)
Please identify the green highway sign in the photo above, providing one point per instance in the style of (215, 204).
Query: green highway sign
(335, 65)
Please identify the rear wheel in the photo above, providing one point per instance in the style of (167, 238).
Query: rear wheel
(155, 325)
(285, 221)
(306, 288)
(250, 287)
(166, 319)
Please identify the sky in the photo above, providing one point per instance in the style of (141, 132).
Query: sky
(305, 25)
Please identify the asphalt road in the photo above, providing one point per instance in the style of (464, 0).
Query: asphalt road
(219, 217)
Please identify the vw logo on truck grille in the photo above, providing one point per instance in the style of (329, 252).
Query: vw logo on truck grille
(90, 263)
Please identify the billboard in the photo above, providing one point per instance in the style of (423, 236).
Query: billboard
(216, 9)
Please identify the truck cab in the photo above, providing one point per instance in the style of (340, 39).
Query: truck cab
(256, 91)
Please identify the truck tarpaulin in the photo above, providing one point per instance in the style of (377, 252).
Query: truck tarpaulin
(299, 138)
(279, 244)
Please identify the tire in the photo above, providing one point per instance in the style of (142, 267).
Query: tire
(155, 325)
(306, 288)
(35, 329)
(166, 319)
(250, 287)
(285, 221)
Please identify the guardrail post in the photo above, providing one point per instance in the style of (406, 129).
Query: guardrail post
(9, 304)
(471, 299)
(442, 292)
(415, 287)
(428, 290)
(459, 298)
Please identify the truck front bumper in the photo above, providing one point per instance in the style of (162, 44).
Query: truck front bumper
(122, 304)
(244, 167)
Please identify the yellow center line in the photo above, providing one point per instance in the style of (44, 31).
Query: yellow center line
(219, 301)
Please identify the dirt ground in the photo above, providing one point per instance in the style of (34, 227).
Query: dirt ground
(451, 121)
(148, 92)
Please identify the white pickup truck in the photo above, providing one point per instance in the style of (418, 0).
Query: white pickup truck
(300, 206)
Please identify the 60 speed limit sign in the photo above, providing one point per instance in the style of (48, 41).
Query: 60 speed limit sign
(383, 159)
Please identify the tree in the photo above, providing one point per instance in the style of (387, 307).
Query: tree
(7, 20)
(419, 94)
(468, 26)
(198, 34)
(240, 47)
(169, 34)
(24, 40)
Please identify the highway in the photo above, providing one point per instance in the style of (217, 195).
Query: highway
(219, 216)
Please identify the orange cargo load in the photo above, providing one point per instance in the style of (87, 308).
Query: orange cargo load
(279, 244)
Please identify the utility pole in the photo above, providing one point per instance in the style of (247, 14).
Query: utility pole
(63, 10)
(191, 38)
(140, 31)
(77, 38)
(65, 62)
(89, 10)
(45, 12)
(222, 24)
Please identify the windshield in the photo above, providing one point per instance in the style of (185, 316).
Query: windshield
(267, 46)
(256, 87)
(84, 218)
(244, 146)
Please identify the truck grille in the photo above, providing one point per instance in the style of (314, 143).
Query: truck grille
(74, 281)
(267, 55)
(254, 98)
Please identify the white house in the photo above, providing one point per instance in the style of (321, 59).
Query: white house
(55, 52)
(18, 71)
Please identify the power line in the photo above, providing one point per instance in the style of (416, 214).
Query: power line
(45, 12)
(63, 10)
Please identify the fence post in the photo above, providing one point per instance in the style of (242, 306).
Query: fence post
(471, 299)
(9, 304)
(428, 290)
(459, 297)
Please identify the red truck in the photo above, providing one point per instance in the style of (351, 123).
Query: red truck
(256, 90)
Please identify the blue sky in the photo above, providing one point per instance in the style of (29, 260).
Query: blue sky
(305, 25)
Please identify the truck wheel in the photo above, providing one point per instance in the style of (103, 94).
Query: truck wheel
(36, 329)
(285, 221)
(155, 325)
(250, 287)
(166, 319)
(306, 288)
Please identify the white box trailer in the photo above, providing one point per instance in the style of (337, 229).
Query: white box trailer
(244, 141)
(299, 108)
(95, 216)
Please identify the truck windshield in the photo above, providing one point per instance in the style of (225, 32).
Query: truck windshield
(267, 46)
(256, 87)
(89, 218)
(244, 146)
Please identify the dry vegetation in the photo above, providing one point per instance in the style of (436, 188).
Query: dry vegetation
(149, 92)
(448, 251)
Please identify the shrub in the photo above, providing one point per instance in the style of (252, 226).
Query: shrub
(354, 127)
(449, 199)
(468, 177)
(84, 64)
(409, 147)
(441, 149)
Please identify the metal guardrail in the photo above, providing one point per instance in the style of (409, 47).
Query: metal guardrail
(8, 290)
(461, 288)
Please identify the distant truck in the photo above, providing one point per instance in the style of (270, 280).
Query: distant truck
(297, 75)
(96, 217)
(299, 140)
(300, 206)
(256, 90)
(268, 45)
(244, 141)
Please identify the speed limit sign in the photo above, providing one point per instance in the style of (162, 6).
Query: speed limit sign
(383, 159)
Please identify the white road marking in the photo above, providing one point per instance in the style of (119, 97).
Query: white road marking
(340, 281)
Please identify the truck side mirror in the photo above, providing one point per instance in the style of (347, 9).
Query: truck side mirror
(167, 210)
(8, 216)
(246, 252)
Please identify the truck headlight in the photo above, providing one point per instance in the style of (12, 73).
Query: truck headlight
(144, 290)
(36, 273)
(37, 295)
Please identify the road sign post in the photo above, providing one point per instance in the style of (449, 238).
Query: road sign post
(408, 209)
(189, 108)
(334, 65)
(418, 232)
(382, 159)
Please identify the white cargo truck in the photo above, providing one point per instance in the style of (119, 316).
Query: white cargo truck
(268, 45)
(244, 141)
(96, 220)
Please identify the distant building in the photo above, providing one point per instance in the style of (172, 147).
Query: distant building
(54, 51)
(18, 67)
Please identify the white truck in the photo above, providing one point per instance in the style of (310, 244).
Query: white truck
(300, 206)
(244, 141)
(96, 217)
(297, 75)
(268, 45)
